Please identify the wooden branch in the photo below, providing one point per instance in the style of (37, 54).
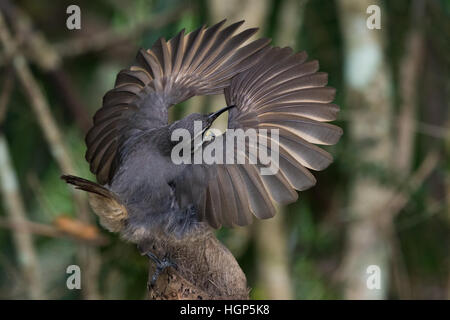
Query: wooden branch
(206, 269)
(14, 205)
(8, 82)
(87, 256)
(410, 69)
(57, 231)
(103, 40)
(172, 286)
(399, 199)
(15, 209)
(43, 54)
(37, 101)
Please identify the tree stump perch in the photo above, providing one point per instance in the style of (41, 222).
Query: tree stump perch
(206, 270)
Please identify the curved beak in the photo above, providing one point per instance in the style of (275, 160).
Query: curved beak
(213, 116)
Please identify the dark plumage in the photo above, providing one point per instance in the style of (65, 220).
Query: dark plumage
(129, 146)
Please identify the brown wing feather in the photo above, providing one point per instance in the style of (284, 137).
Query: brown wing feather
(202, 62)
(282, 92)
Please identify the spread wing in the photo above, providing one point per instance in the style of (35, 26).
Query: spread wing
(199, 63)
(282, 92)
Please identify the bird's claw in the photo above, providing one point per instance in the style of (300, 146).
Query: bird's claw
(161, 265)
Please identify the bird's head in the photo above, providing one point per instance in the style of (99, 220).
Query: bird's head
(197, 124)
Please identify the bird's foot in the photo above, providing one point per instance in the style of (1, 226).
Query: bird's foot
(161, 265)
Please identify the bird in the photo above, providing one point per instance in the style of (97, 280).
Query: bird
(158, 204)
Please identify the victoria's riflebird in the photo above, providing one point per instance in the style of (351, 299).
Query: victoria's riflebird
(146, 197)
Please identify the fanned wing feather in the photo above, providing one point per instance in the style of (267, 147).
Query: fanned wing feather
(202, 62)
(282, 92)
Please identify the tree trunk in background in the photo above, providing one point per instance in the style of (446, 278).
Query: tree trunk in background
(447, 199)
(289, 23)
(274, 273)
(410, 68)
(369, 102)
(23, 240)
(435, 99)
(272, 258)
(254, 12)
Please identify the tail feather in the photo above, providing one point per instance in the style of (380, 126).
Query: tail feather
(105, 204)
(88, 186)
